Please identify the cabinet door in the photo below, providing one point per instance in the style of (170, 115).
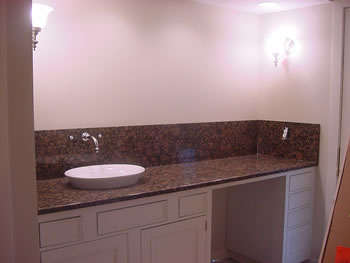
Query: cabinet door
(183, 241)
(108, 250)
(299, 244)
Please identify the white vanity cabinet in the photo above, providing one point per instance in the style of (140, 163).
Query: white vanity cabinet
(165, 228)
(268, 219)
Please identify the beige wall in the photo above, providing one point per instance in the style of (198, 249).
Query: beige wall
(144, 62)
(299, 88)
(19, 240)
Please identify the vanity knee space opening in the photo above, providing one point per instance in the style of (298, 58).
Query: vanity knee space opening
(248, 222)
(264, 221)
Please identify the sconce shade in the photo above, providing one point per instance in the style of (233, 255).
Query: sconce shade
(39, 15)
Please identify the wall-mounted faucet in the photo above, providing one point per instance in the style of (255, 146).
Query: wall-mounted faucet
(86, 136)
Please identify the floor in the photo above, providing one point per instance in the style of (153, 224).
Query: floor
(227, 260)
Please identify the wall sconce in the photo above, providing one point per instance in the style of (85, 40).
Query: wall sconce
(288, 48)
(280, 48)
(39, 17)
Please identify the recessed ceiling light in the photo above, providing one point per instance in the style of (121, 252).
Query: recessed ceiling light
(268, 4)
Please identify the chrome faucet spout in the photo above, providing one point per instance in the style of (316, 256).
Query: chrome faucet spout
(86, 136)
(95, 142)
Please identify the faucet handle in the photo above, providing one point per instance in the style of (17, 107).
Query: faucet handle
(85, 136)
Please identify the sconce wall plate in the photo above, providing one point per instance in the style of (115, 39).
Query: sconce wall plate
(35, 32)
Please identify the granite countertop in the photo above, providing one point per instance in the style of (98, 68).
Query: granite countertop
(56, 195)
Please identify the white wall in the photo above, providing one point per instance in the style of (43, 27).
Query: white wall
(19, 241)
(112, 63)
(299, 89)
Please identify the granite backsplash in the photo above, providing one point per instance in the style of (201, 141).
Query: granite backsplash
(302, 143)
(154, 145)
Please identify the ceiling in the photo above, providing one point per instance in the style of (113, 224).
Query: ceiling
(250, 6)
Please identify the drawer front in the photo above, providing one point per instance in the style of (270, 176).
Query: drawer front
(298, 244)
(192, 204)
(299, 217)
(60, 231)
(125, 218)
(106, 250)
(300, 199)
(300, 181)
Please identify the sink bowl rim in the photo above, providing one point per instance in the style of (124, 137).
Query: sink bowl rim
(69, 172)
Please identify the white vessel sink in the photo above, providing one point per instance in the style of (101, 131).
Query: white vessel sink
(104, 176)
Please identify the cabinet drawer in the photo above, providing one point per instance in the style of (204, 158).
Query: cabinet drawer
(60, 231)
(106, 250)
(300, 199)
(298, 244)
(192, 204)
(299, 217)
(125, 218)
(300, 181)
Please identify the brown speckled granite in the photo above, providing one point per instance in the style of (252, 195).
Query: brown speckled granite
(302, 143)
(151, 145)
(58, 195)
(156, 145)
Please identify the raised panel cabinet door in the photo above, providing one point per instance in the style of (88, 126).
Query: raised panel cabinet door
(183, 241)
(108, 250)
